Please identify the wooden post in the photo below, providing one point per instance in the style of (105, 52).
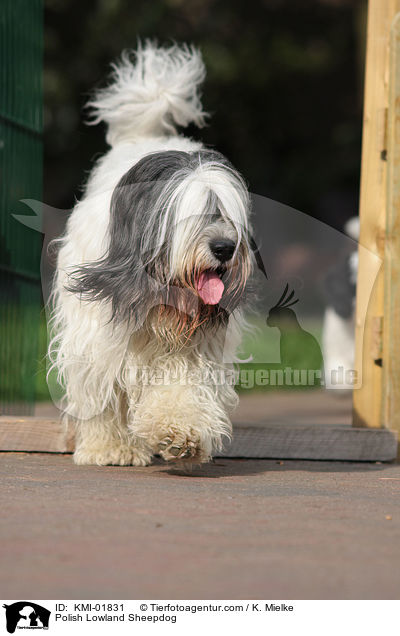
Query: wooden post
(391, 332)
(370, 355)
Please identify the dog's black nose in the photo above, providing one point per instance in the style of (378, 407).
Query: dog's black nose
(222, 249)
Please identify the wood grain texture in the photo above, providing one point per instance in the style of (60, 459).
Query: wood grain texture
(261, 440)
(34, 434)
(301, 441)
(368, 399)
(391, 333)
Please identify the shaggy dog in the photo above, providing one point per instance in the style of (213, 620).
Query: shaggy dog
(151, 274)
(339, 319)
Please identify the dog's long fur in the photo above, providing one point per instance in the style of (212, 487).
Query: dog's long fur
(126, 304)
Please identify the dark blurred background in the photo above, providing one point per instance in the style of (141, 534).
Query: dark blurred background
(284, 87)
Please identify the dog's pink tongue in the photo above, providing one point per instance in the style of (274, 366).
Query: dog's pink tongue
(210, 288)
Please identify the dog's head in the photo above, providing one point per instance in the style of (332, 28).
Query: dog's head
(179, 242)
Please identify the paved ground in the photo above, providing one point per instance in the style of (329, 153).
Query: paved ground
(233, 529)
(286, 407)
(312, 407)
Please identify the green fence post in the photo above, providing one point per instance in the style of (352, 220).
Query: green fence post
(21, 36)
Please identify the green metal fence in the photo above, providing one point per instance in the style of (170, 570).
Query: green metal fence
(21, 34)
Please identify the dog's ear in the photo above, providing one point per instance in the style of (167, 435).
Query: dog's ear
(132, 273)
(125, 276)
(128, 286)
(257, 255)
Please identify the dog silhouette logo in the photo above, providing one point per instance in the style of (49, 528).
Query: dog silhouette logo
(26, 615)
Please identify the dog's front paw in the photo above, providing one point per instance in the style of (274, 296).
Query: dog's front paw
(112, 454)
(177, 446)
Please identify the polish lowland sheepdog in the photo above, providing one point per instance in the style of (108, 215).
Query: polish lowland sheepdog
(339, 319)
(151, 273)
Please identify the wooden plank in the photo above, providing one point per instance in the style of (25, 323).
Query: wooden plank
(391, 333)
(302, 441)
(369, 308)
(34, 434)
(260, 440)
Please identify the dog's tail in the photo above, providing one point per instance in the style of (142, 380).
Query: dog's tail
(152, 91)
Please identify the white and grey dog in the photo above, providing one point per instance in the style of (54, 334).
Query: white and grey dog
(150, 275)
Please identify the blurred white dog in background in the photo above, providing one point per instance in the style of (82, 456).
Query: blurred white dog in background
(339, 325)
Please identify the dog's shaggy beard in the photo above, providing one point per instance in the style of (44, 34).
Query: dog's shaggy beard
(164, 212)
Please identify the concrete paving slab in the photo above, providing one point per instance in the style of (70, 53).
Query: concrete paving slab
(258, 529)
